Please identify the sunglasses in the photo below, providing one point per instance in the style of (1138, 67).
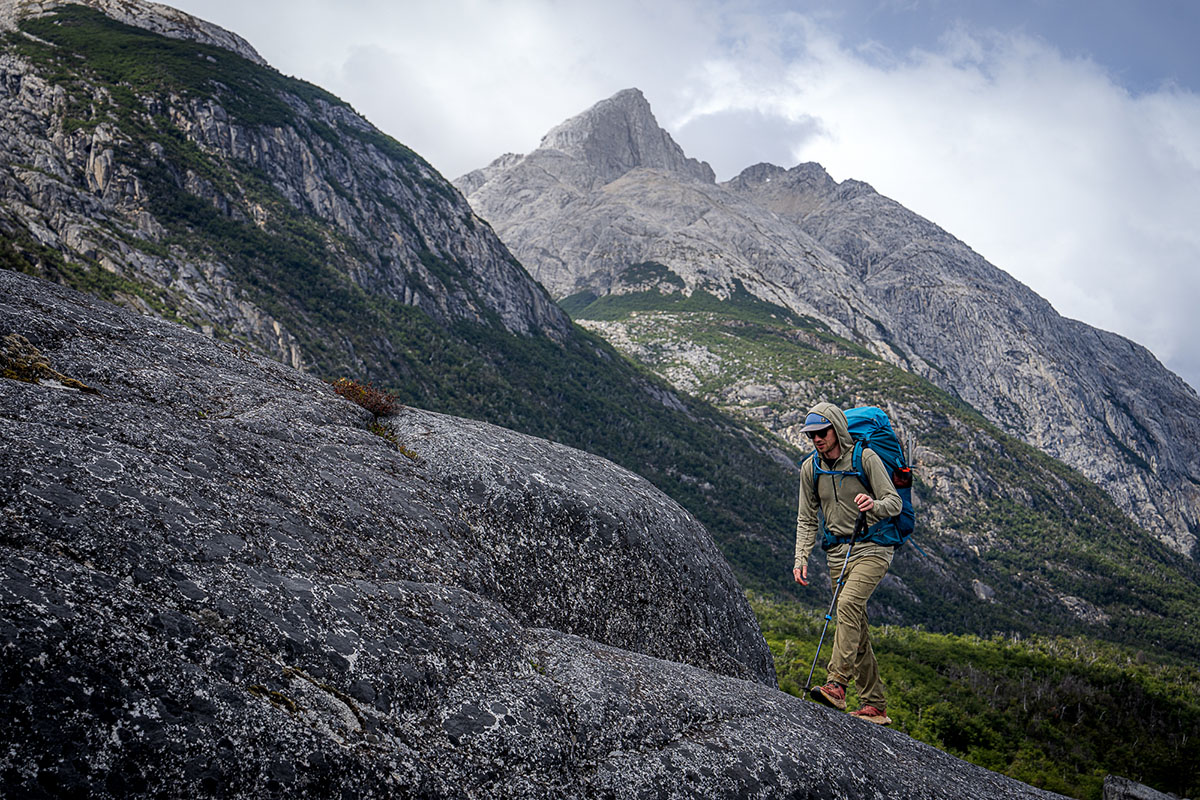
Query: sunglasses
(822, 434)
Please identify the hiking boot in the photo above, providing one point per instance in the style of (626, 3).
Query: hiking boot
(831, 694)
(872, 714)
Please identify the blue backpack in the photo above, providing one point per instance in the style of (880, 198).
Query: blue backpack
(870, 427)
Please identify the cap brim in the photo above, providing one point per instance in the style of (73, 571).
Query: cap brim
(814, 428)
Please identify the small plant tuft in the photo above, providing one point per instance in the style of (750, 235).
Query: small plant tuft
(21, 361)
(381, 404)
(275, 698)
(378, 402)
(389, 435)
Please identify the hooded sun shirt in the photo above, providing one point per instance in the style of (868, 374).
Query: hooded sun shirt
(836, 493)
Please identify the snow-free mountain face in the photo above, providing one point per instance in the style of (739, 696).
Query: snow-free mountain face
(191, 181)
(869, 269)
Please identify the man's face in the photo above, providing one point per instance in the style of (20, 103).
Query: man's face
(824, 440)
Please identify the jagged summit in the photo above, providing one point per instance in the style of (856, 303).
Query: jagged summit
(591, 150)
(153, 17)
(797, 191)
(620, 134)
(809, 178)
(762, 172)
(810, 173)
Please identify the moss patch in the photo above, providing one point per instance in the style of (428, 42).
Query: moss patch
(21, 361)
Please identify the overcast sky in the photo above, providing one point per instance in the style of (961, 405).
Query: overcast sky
(1061, 140)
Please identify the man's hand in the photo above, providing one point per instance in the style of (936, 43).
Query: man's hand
(864, 502)
(801, 575)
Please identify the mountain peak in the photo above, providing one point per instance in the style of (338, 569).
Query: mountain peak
(154, 17)
(620, 134)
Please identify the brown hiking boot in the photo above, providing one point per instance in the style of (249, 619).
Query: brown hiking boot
(831, 694)
(872, 714)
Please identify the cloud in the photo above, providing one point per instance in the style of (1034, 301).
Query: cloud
(738, 138)
(1040, 162)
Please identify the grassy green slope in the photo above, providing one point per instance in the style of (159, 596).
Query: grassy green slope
(1057, 713)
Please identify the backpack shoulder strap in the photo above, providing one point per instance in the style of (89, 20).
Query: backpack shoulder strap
(856, 465)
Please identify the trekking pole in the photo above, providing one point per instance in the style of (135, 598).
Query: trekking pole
(859, 525)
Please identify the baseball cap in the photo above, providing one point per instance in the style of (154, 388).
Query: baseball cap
(815, 422)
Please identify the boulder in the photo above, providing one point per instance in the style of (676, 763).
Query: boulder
(220, 578)
(1118, 788)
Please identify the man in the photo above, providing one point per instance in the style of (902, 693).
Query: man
(837, 502)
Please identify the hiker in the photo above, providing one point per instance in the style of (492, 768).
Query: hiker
(837, 501)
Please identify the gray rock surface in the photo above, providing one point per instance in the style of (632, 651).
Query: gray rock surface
(1118, 788)
(217, 582)
(873, 272)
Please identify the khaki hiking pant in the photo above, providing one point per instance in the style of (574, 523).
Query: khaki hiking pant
(852, 658)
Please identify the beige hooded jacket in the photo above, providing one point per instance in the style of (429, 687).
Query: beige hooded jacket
(835, 495)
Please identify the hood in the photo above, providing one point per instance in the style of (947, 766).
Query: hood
(834, 414)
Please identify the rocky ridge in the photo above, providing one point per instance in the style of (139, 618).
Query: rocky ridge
(86, 179)
(155, 17)
(874, 273)
(218, 582)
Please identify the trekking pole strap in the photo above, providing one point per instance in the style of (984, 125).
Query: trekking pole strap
(860, 525)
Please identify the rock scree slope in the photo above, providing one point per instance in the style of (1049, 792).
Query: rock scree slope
(216, 581)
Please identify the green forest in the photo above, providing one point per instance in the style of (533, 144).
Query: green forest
(1057, 713)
